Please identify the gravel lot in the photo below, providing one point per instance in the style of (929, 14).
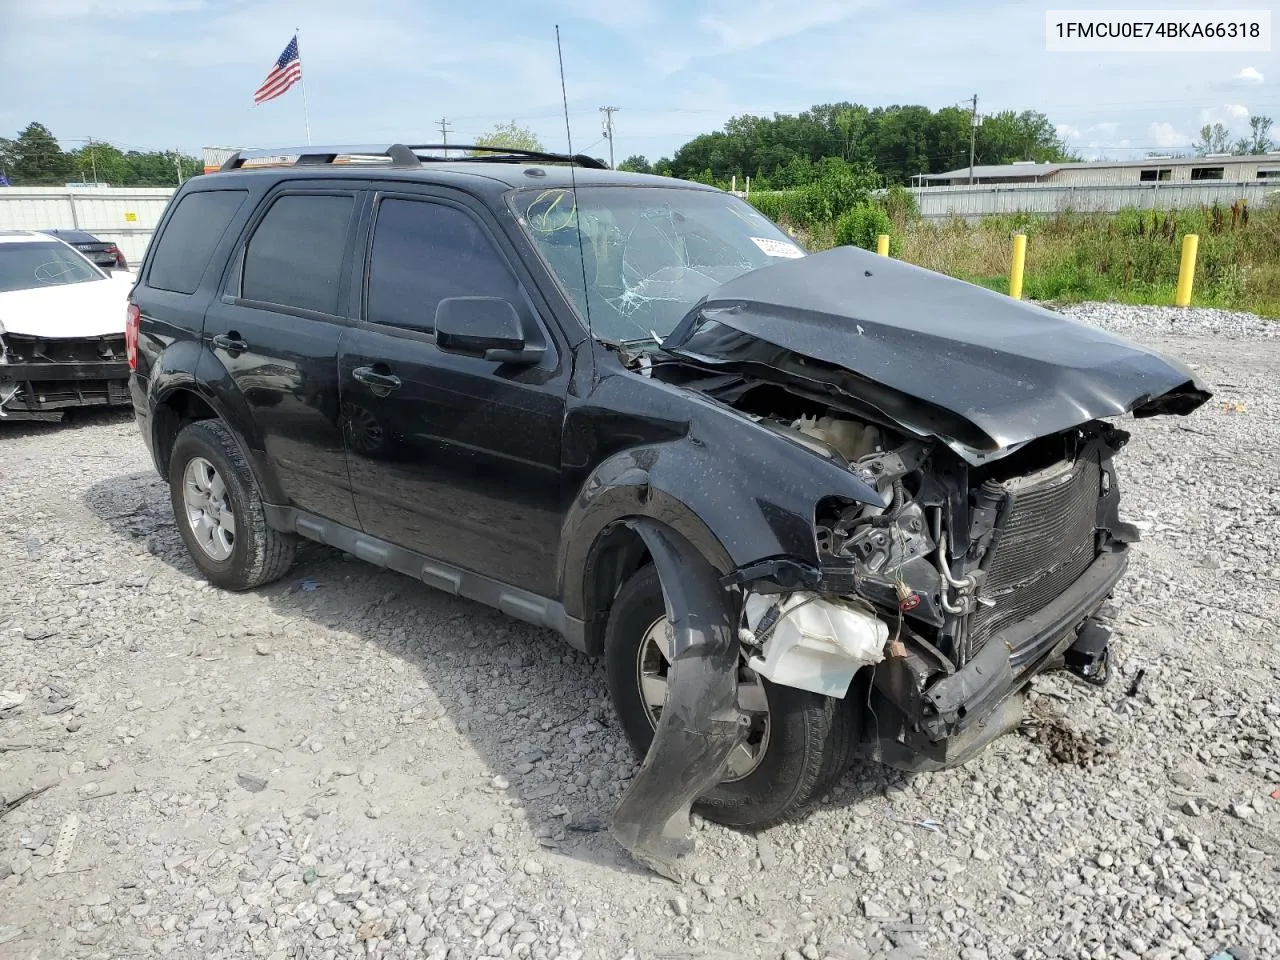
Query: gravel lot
(349, 764)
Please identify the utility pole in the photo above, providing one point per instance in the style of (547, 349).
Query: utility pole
(444, 135)
(177, 163)
(973, 135)
(608, 130)
(93, 162)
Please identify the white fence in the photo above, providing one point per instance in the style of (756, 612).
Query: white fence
(985, 199)
(127, 216)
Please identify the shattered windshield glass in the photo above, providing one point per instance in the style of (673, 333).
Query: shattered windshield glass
(648, 253)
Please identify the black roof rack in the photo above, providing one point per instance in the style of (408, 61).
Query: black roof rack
(402, 156)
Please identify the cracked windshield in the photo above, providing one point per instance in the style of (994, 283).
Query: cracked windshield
(648, 253)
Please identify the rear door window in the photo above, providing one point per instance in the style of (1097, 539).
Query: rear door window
(183, 250)
(294, 258)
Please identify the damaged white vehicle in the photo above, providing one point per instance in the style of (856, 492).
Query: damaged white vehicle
(62, 319)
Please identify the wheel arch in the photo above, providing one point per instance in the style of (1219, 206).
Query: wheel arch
(602, 547)
(181, 403)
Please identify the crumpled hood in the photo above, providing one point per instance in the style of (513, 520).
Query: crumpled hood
(93, 308)
(935, 355)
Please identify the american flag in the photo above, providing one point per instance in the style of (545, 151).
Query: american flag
(286, 72)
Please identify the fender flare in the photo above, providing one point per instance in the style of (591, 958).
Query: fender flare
(175, 376)
(618, 492)
(700, 724)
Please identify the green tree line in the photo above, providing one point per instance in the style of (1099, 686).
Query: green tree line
(1217, 139)
(35, 158)
(897, 142)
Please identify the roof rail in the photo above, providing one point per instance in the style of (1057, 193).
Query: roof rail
(400, 155)
(511, 153)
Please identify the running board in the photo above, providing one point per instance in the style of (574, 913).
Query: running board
(513, 601)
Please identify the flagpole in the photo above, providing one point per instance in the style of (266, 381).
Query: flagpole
(302, 82)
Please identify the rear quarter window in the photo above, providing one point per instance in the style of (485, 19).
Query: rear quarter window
(183, 250)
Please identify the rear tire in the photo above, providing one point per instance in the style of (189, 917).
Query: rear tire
(809, 742)
(210, 483)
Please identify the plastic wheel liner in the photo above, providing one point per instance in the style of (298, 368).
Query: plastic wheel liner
(700, 723)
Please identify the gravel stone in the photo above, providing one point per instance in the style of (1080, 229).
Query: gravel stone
(1111, 825)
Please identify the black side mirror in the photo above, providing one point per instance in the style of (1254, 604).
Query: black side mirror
(487, 327)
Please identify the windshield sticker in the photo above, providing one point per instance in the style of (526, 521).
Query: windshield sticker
(777, 248)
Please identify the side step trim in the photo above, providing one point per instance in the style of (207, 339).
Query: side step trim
(513, 601)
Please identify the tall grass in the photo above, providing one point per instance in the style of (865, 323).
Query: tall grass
(1130, 257)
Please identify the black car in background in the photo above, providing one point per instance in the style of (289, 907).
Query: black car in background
(104, 253)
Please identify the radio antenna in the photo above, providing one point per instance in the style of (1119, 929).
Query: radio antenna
(573, 187)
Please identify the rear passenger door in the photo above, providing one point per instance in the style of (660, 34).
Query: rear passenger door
(272, 339)
(455, 457)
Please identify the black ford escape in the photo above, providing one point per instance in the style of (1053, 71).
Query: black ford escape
(779, 493)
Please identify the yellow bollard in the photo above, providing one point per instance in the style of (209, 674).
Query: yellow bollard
(1015, 269)
(882, 244)
(1187, 270)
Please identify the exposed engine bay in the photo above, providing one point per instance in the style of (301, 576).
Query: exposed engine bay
(954, 557)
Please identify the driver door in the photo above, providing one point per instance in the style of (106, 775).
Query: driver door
(455, 457)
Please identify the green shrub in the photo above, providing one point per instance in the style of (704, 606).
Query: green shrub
(900, 204)
(860, 226)
(836, 186)
(771, 203)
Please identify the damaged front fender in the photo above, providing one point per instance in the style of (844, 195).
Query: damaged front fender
(700, 723)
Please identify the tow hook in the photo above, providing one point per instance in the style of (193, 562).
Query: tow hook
(1089, 657)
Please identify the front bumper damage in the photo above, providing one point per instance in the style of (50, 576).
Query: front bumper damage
(929, 714)
(41, 376)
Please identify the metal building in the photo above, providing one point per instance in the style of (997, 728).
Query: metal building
(1263, 169)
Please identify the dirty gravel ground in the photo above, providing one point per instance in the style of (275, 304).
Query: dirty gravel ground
(348, 763)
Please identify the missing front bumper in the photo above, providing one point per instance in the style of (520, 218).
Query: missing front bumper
(929, 719)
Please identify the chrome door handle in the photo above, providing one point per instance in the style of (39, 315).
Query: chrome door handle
(230, 342)
(371, 377)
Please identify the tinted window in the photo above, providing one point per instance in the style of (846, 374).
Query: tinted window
(294, 258)
(425, 252)
(182, 251)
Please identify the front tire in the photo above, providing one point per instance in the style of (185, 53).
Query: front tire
(802, 746)
(218, 509)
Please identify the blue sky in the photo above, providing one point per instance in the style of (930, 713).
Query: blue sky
(181, 73)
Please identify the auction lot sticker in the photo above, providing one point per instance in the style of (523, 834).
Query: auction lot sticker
(1157, 31)
(777, 248)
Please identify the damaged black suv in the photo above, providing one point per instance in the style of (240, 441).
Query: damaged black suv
(780, 494)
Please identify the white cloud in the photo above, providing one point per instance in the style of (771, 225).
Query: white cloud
(1248, 77)
(742, 27)
(1167, 137)
(733, 27)
(1067, 132)
(1233, 116)
(1107, 129)
(80, 9)
(612, 15)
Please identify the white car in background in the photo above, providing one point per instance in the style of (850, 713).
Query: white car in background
(62, 320)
